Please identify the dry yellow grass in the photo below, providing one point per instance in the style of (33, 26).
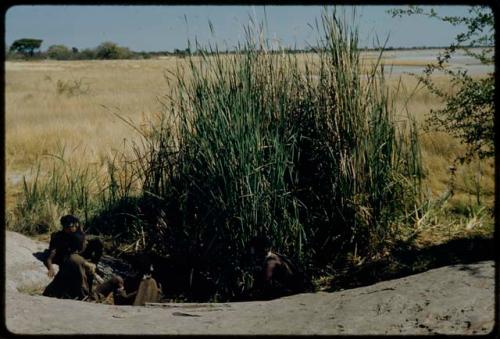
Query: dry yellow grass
(38, 118)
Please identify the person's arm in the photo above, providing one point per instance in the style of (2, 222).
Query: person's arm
(81, 242)
(121, 297)
(49, 264)
(52, 254)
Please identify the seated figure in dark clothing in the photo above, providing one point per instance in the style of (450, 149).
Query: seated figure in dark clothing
(275, 274)
(281, 276)
(75, 277)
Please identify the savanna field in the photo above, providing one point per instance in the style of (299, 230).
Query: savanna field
(85, 125)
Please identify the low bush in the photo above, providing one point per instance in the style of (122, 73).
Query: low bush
(59, 52)
(110, 50)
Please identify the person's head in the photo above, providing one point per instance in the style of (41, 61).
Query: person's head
(259, 246)
(117, 281)
(70, 223)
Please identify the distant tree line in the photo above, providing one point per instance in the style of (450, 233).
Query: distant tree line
(30, 49)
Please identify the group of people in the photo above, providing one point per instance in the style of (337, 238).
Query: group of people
(77, 259)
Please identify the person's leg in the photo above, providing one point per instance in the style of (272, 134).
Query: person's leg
(60, 286)
(78, 282)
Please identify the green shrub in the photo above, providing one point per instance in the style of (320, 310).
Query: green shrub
(469, 107)
(110, 50)
(59, 52)
(86, 54)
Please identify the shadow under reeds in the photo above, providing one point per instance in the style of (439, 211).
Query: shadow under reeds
(407, 260)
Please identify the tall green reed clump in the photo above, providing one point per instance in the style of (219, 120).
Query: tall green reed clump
(254, 145)
(359, 166)
(227, 175)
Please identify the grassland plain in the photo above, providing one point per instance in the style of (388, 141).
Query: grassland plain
(55, 105)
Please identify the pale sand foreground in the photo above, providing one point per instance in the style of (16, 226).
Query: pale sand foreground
(456, 299)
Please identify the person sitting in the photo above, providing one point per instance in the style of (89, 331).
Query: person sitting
(275, 274)
(75, 276)
(114, 287)
(148, 292)
(280, 276)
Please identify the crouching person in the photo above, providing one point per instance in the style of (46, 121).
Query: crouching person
(148, 292)
(75, 276)
(280, 276)
(276, 275)
(115, 288)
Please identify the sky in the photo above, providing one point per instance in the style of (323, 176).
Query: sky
(165, 28)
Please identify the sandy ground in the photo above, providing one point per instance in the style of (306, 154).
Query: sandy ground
(455, 299)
